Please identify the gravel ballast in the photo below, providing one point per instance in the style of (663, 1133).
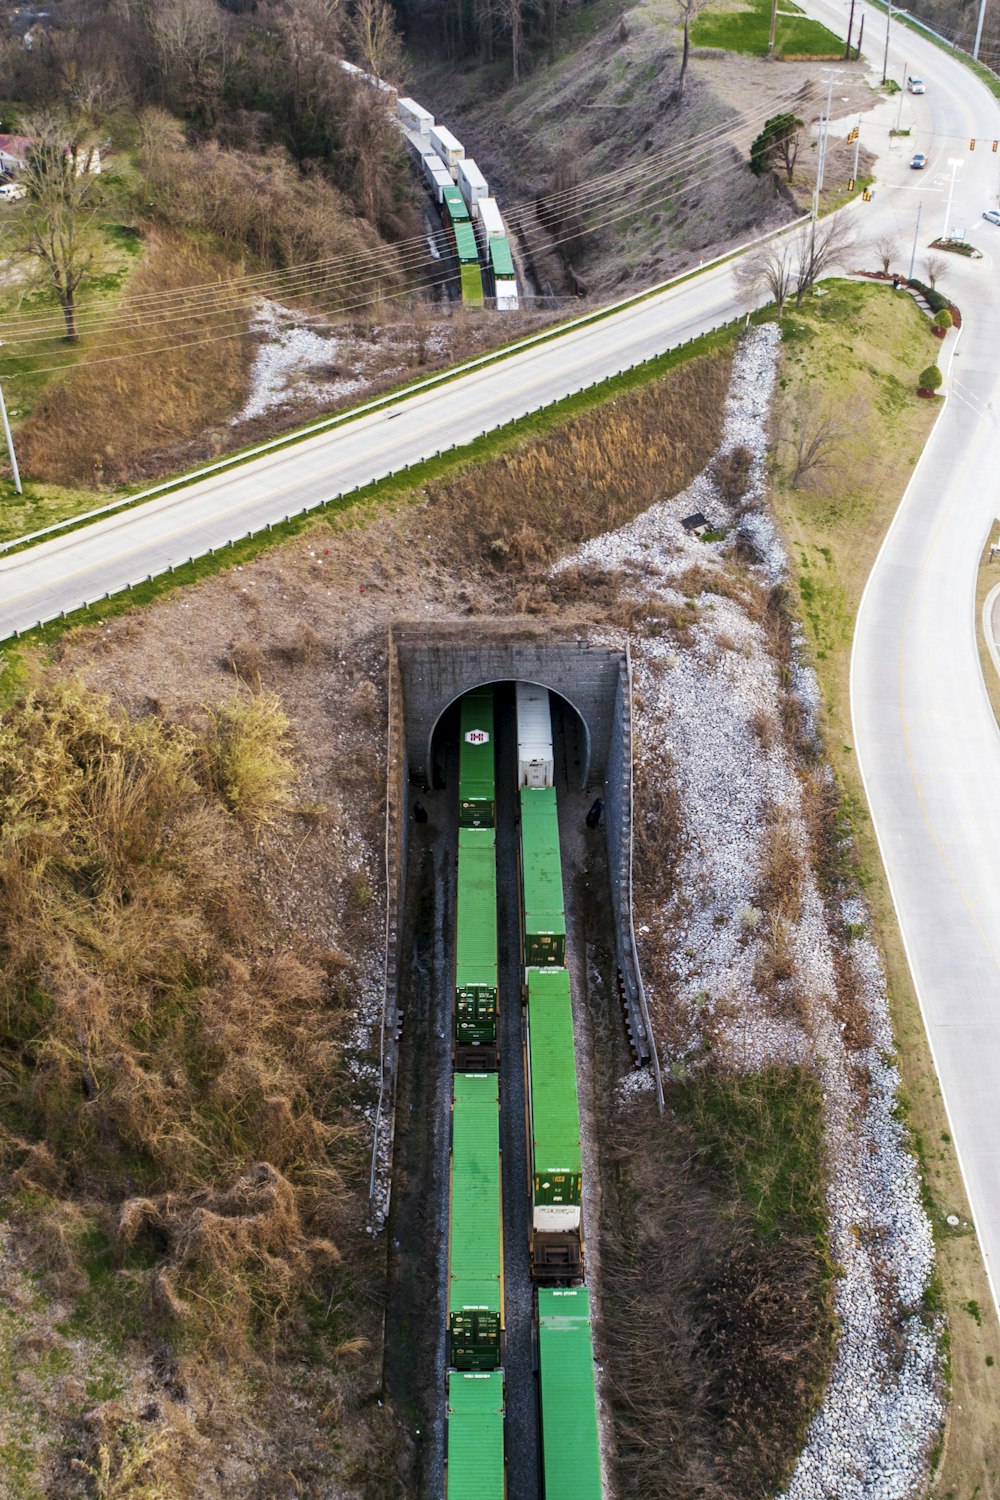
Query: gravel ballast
(707, 714)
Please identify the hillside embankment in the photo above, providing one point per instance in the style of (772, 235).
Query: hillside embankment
(145, 1106)
(644, 181)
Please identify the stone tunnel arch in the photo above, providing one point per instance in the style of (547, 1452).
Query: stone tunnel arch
(584, 727)
(439, 662)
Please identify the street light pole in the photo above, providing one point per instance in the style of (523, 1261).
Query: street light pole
(979, 29)
(899, 109)
(885, 59)
(954, 163)
(913, 252)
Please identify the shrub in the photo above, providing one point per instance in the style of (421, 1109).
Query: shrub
(935, 301)
(929, 379)
(244, 756)
(943, 318)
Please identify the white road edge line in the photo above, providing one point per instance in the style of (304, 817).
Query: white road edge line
(878, 835)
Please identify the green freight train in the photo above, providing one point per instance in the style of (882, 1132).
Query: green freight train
(570, 1445)
(466, 249)
(476, 952)
(476, 773)
(555, 1161)
(541, 866)
(475, 1257)
(475, 1468)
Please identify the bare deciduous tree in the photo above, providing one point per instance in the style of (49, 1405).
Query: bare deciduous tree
(190, 37)
(817, 435)
(373, 28)
(56, 224)
(772, 269)
(687, 10)
(887, 249)
(934, 268)
(819, 247)
(512, 19)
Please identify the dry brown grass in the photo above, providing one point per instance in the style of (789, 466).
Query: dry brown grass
(520, 511)
(169, 381)
(169, 1071)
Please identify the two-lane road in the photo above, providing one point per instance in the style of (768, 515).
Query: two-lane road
(80, 566)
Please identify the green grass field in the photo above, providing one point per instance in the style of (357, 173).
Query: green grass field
(747, 30)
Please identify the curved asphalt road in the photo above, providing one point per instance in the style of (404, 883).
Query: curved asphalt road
(925, 734)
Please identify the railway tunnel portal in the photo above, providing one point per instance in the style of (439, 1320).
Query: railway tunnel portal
(437, 664)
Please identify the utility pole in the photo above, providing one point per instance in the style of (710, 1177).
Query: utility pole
(850, 28)
(954, 163)
(861, 33)
(885, 60)
(774, 24)
(10, 442)
(824, 128)
(899, 110)
(857, 152)
(979, 29)
(913, 252)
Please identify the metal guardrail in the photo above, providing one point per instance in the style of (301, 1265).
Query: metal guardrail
(395, 813)
(643, 1004)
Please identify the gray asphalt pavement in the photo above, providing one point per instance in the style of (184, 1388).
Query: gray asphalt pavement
(926, 738)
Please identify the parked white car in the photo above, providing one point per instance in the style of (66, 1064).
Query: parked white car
(11, 191)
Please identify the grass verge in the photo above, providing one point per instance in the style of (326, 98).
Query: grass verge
(851, 360)
(747, 30)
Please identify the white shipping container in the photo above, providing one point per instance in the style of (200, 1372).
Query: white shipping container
(489, 218)
(472, 183)
(534, 729)
(415, 117)
(556, 1218)
(438, 180)
(450, 150)
(506, 291)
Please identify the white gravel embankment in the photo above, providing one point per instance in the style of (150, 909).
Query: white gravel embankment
(710, 711)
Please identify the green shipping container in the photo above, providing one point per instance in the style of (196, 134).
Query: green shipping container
(557, 1164)
(475, 1279)
(476, 779)
(465, 245)
(454, 206)
(476, 941)
(500, 256)
(475, 1436)
(541, 868)
(571, 1454)
(472, 284)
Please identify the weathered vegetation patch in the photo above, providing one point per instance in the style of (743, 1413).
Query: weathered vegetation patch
(180, 1156)
(716, 1290)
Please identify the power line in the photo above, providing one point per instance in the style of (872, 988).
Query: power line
(173, 346)
(378, 263)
